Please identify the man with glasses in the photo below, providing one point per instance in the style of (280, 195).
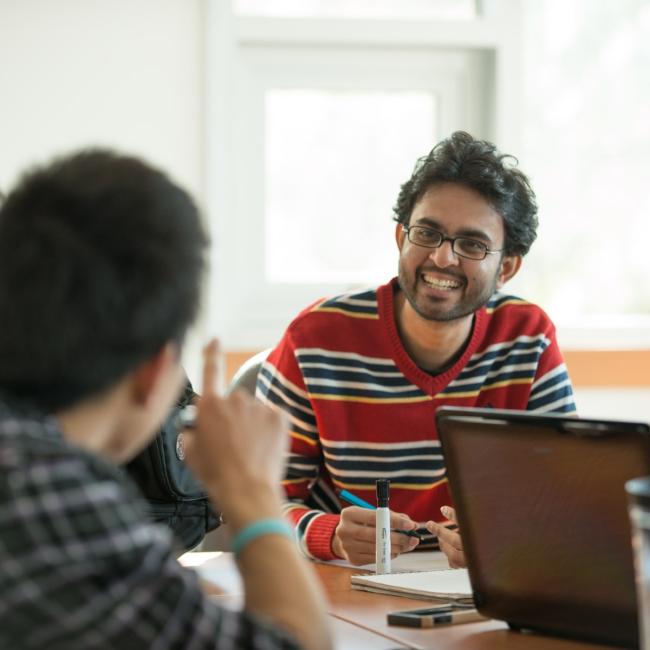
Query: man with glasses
(361, 375)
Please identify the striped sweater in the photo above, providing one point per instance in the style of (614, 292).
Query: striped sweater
(360, 409)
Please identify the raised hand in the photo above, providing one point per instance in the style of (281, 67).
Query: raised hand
(237, 449)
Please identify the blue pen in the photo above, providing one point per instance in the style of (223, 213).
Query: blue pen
(357, 501)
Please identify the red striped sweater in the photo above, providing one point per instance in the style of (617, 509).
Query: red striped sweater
(360, 409)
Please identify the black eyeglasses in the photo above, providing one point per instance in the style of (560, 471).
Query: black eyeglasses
(471, 249)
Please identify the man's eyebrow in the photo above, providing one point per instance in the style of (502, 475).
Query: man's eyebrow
(472, 233)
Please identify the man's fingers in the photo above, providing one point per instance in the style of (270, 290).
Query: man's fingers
(455, 558)
(361, 558)
(210, 367)
(403, 543)
(453, 539)
(358, 515)
(449, 513)
(401, 521)
(451, 544)
(450, 537)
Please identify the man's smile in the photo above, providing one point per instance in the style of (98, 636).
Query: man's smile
(437, 282)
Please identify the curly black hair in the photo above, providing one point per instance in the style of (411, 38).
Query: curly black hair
(478, 165)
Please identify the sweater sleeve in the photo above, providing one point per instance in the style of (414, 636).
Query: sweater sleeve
(552, 390)
(281, 386)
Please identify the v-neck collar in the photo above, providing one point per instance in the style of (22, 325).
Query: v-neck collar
(429, 383)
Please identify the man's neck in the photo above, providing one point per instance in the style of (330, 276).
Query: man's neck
(91, 424)
(434, 346)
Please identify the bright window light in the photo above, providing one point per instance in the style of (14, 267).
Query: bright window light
(334, 164)
(439, 9)
(587, 150)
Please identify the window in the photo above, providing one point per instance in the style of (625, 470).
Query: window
(322, 147)
(311, 133)
(586, 145)
(445, 9)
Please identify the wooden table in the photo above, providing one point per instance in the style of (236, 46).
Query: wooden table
(359, 617)
(367, 611)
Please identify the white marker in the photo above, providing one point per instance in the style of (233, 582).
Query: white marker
(382, 527)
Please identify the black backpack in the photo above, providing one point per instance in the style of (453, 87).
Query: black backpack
(174, 496)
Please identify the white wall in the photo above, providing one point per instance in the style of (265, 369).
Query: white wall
(127, 74)
(122, 73)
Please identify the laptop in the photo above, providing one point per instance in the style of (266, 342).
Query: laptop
(542, 508)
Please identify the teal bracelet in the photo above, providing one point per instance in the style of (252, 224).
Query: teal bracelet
(259, 528)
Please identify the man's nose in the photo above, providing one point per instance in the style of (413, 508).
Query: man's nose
(444, 256)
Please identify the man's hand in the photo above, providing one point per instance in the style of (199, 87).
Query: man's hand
(237, 449)
(354, 537)
(449, 538)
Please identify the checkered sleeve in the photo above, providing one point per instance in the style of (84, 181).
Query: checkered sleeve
(81, 567)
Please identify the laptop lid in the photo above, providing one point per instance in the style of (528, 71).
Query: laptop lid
(542, 510)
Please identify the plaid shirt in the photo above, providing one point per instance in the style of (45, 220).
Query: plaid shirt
(82, 567)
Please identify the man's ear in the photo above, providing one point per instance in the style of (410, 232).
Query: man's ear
(510, 265)
(399, 235)
(148, 375)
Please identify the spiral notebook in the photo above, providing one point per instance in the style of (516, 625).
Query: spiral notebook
(441, 584)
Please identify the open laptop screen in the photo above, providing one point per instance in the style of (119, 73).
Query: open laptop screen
(542, 511)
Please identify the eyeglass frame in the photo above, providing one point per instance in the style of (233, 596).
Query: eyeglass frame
(452, 240)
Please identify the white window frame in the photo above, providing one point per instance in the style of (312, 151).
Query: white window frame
(247, 316)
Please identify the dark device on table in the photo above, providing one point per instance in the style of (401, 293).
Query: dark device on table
(542, 509)
(428, 616)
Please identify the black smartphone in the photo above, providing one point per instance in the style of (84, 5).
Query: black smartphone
(444, 614)
(413, 617)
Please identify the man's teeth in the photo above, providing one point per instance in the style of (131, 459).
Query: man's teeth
(439, 283)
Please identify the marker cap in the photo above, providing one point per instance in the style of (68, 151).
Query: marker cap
(383, 491)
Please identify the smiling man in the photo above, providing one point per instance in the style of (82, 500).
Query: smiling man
(362, 375)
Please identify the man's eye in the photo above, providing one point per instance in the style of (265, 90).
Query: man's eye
(427, 235)
(471, 245)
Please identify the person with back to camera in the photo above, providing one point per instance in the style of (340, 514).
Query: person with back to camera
(361, 375)
(101, 259)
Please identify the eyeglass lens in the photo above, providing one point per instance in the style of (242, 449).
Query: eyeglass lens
(429, 238)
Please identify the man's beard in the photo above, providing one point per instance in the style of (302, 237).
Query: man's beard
(430, 310)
